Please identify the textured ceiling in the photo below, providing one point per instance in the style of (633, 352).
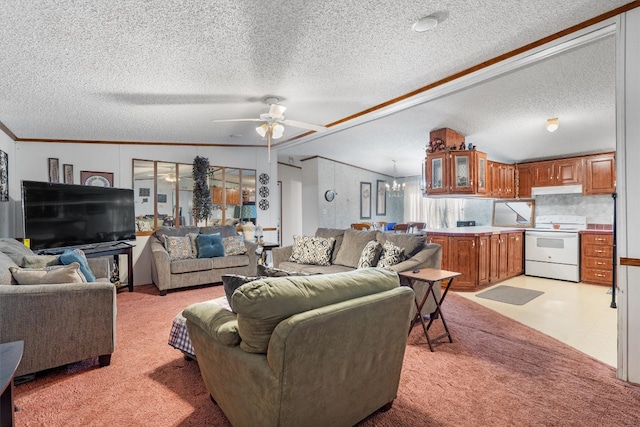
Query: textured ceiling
(162, 70)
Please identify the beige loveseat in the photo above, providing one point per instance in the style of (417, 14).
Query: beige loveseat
(59, 323)
(323, 350)
(173, 274)
(348, 247)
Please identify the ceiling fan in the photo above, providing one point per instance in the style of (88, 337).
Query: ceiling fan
(273, 128)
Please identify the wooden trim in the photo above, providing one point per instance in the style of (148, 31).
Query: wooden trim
(630, 262)
(155, 144)
(6, 130)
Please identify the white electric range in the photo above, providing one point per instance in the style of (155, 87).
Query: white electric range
(552, 248)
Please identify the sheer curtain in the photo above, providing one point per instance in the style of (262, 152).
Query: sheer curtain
(435, 212)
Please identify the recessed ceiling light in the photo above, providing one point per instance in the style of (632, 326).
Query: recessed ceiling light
(425, 24)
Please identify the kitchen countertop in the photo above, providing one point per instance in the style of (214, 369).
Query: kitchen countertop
(594, 231)
(471, 231)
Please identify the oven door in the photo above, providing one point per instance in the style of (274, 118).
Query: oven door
(552, 247)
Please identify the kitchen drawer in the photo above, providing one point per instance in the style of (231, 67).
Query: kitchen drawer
(598, 251)
(596, 276)
(593, 262)
(597, 239)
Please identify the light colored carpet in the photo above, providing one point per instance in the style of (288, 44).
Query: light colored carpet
(510, 295)
(496, 373)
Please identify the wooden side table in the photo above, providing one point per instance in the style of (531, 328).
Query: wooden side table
(10, 356)
(431, 276)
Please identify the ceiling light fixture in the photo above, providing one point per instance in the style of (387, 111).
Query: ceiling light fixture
(425, 24)
(396, 189)
(552, 124)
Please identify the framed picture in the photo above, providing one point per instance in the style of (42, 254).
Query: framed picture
(365, 200)
(98, 179)
(4, 176)
(54, 170)
(67, 171)
(162, 198)
(144, 192)
(381, 198)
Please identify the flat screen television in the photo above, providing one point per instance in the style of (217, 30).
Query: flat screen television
(67, 215)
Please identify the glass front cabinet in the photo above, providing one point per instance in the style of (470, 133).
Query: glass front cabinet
(456, 172)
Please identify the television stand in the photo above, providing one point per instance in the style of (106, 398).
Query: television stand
(115, 249)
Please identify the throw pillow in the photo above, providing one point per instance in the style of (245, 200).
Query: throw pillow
(178, 247)
(336, 233)
(231, 282)
(391, 255)
(412, 243)
(352, 245)
(70, 256)
(234, 245)
(265, 271)
(39, 261)
(370, 254)
(209, 245)
(194, 245)
(312, 250)
(48, 275)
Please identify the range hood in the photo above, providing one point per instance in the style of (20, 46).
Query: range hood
(557, 189)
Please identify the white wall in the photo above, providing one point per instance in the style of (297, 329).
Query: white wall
(7, 209)
(291, 221)
(30, 163)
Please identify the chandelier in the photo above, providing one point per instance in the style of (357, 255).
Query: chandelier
(396, 189)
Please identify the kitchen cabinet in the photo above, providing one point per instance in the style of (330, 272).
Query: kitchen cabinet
(482, 259)
(568, 171)
(463, 258)
(557, 172)
(525, 181)
(515, 254)
(443, 241)
(600, 174)
(502, 180)
(456, 172)
(597, 258)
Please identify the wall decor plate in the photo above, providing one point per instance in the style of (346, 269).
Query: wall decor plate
(263, 191)
(264, 204)
(97, 179)
(264, 178)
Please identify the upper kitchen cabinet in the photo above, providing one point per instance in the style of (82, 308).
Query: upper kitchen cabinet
(450, 169)
(525, 181)
(596, 173)
(557, 172)
(600, 174)
(501, 180)
(456, 172)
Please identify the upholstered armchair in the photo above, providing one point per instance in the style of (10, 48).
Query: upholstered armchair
(59, 323)
(323, 350)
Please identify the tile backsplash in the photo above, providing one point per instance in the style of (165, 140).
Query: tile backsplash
(597, 209)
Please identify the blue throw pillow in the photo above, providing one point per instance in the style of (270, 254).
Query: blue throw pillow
(209, 245)
(69, 256)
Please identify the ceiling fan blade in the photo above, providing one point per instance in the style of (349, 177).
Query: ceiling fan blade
(238, 120)
(303, 125)
(276, 111)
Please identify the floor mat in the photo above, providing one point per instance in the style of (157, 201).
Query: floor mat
(510, 294)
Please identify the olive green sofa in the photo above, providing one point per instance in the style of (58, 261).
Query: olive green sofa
(323, 350)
